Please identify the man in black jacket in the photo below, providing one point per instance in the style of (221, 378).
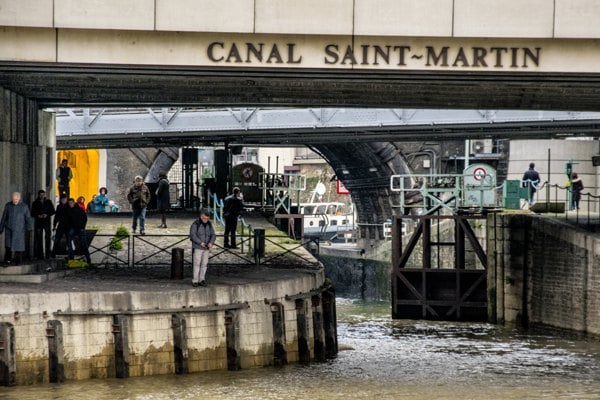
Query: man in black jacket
(531, 178)
(42, 211)
(232, 207)
(60, 222)
(77, 220)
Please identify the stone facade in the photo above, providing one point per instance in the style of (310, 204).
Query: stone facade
(543, 271)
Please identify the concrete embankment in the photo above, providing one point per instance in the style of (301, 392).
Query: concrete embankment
(543, 271)
(136, 322)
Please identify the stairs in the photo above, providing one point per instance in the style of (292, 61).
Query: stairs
(34, 272)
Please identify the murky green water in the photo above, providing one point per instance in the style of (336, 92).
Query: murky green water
(387, 360)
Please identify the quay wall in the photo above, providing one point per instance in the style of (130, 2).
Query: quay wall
(89, 341)
(543, 271)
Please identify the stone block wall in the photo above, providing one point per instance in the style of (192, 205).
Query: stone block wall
(89, 342)
(543, 271)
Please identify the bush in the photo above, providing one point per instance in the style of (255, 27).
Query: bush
(116, 243)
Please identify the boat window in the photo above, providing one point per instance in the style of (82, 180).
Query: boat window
(345, 222)
(321, 223)
(321, 209)
(333, 222)
(309, 210)
(331, 209)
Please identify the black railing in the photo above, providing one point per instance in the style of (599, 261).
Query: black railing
(588, 212)
(155, 250)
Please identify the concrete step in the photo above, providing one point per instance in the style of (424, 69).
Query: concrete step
(31, 267)
(35, 278)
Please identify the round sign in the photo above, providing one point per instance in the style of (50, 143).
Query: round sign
(479, 173)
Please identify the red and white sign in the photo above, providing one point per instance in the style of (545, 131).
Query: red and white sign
(340, 188)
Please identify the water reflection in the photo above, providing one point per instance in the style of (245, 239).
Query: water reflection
(385, 359)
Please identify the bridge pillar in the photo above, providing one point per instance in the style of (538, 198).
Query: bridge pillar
(27, 149)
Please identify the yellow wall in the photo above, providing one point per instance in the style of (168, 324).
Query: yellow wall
(85, 166)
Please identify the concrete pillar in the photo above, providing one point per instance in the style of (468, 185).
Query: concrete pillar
(8, 364)
(27, 149)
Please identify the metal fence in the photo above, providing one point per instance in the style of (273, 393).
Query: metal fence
(156, 250)
(560, 203)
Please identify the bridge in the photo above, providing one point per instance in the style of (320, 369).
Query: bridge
(246, 54)
(113, 128)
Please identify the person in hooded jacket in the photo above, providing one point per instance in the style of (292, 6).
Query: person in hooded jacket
(15, 224)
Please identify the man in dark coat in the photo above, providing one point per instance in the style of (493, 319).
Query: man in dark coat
(77, 220)
(42, 211)
(60, 222)
(15, 223)
(139, 197)
(64, 176)
(232, 207)
(531, 178)
(163, 199)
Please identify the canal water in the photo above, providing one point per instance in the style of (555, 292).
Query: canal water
(385, 359)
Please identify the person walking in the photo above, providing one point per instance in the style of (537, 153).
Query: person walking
(42, 211)
(232, 207)
(76, 221)
(64, 176)
(60, 225)
(202, 235)
(576, 188)
(531, 178)
(100, 201)
(163, 199)
(15, 223)
(139, 197)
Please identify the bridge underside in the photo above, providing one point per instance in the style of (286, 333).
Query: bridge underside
(54, 85)
(367, 165)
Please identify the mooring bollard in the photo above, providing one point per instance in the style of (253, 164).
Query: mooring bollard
(177, 263)
(259, 244)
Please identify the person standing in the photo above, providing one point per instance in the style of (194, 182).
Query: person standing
(531, 178)
(202, 235)
(76, 221)
(139, 197)
(100, 201)
(576, 188)
(15, 223)
(60, 225)
(232, 207)
(163, 199)
(42, 211)
(64, 176)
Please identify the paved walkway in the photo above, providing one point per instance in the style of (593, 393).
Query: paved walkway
(111, 273)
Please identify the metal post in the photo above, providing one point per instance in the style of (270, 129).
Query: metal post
(56, 364)
(548, 184)
(177, 263)
(259, 244)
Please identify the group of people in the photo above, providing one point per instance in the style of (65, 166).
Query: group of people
(69, 222)
(531, 180)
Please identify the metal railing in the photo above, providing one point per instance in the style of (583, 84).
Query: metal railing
(589, 215)
(156, 250)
